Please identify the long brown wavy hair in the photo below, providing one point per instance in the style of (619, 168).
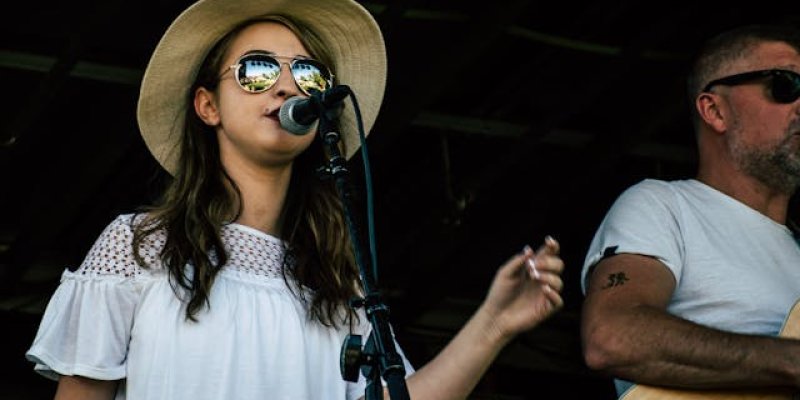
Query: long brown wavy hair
(202, 196)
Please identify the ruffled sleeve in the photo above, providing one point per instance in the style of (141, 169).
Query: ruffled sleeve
(86, 326)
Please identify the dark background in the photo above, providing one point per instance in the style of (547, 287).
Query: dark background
(503, 122)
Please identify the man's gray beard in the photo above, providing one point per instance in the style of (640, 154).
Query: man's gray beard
(776, 166)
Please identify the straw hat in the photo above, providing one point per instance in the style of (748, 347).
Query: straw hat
(349, 32)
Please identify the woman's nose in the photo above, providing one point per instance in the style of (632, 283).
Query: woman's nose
(285, 86)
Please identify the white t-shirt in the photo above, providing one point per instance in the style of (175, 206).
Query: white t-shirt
(111, 320)
(735, 269)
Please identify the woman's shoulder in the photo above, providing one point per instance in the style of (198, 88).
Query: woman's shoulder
(125, 222)
(135, 222)
(124, 227)
(113, 252)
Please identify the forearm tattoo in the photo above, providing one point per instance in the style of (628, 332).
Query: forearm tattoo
(616, 279)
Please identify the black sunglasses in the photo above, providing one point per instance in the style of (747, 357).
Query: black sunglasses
(784, 85)
(256, 72)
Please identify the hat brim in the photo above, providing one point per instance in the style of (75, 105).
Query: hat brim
(349, 32)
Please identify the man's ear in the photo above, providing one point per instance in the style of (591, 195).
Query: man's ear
(206, 107)
(709, 107)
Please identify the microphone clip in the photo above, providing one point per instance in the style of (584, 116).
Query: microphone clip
(329, 102)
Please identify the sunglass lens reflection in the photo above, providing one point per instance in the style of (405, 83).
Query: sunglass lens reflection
(310, 75)
(257, 74)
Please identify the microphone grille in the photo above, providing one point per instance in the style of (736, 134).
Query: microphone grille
(288, 122)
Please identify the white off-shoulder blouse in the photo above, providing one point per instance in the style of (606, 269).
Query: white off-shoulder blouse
(112, 320)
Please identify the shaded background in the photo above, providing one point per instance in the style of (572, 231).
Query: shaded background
(503, 122)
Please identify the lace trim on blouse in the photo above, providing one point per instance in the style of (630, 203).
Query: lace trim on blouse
(250, 251)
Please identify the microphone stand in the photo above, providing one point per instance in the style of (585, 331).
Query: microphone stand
(379, 358)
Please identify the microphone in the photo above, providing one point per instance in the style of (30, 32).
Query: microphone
(298, 114)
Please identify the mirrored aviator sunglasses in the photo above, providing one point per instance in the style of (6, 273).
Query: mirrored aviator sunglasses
(784, 85)
(257, 72)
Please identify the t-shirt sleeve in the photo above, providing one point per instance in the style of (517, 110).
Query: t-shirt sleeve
(87, 323)
(643, 220)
